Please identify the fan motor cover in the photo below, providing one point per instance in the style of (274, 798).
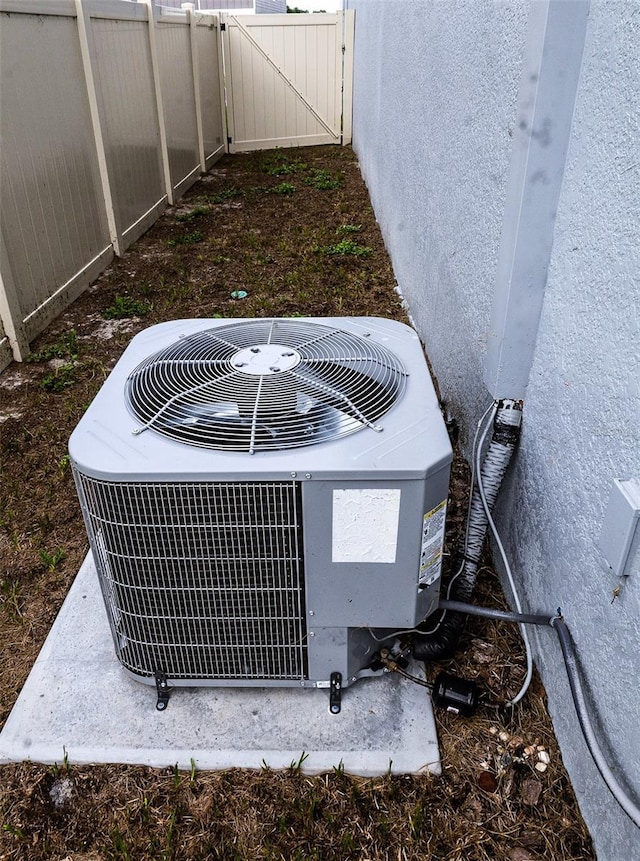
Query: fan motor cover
(262, 496)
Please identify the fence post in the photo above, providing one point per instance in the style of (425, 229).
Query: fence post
(221, 19)
(348, 31)
(155, 67)
(10, 311)
(83, 15)
(189, 8)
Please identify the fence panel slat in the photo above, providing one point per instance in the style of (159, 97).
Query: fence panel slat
(52, 216)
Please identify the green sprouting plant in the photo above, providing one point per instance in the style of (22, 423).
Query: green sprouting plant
(13, 830)
(63, 463)
(60, 379)
(266, 258)
(280, 165)
(219, 259)
(296, 765)
(225, 195)
(284, 188)
(349, 228)
(10, 596)
(67, 346)
(126, 306)
(186, 238)
(322, 179)
(416, 821)
(345, 248)
(193, 213)
(120, 846)
(52, 560)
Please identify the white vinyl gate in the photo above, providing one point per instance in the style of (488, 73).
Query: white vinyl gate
(288, 79)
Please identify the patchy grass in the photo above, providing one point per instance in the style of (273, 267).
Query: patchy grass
(189, 238)
(192, 214)
(126, 306)
(265, 247)
(323, 180)
(345, 248)
(65, 347)
(60, 378)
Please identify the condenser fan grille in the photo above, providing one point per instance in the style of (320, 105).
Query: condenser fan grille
(201, 580)
(265, 385)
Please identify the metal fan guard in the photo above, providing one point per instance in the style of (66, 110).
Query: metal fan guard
(264, 385)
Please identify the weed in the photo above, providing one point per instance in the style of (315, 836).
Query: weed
(192, 773)
(52, 560)
(348, 843)
(126, 306)
(296, 766)
(226, 194)
(416, 821)
(280, 165)
(10, 596)
(283, 188)
(63, 463)
(193, 213)
(349, 228)
(322, 179)
(266, 258)
(58, 770)
(219, 259)
(67, 346)
(345, 248)
(60, 379)
(13, 830)
(120, 846)
(170, 836)
(186, 239)
(176, 776)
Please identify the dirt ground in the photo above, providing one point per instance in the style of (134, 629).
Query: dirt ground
(294, 230)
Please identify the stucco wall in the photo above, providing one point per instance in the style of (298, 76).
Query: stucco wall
(434, 101)
(582, 418)
(435, 88)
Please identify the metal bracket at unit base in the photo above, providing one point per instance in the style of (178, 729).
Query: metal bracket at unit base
(335, 693)
(163, 691)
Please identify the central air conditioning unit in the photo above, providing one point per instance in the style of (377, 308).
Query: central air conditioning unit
(265, 499)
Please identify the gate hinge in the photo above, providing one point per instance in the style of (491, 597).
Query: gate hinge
(229, 140)
(223, 27)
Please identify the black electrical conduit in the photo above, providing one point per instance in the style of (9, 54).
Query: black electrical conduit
(558, 624)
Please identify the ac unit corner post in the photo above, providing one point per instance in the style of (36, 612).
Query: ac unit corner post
(260, 494)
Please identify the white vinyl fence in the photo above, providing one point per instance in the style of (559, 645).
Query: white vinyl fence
(111, 109)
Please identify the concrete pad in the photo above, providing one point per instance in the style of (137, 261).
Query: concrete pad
(79, 701)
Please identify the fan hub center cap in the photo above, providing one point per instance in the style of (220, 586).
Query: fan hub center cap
(264, 359)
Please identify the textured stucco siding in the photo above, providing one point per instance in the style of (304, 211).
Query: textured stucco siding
(435, 89)
(582, 419)
(435, 95)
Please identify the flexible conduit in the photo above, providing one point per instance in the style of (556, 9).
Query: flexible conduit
(571, 664)
(507, 417)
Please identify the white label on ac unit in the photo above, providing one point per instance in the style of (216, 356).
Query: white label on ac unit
(365, 525)
(432, 541)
